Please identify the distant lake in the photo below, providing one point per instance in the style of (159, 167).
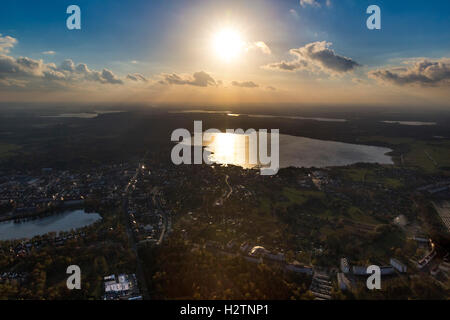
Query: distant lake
(227, 148)
(228, 113)
(297, 118)
(411, 123)
(83, 115)
(66, 221)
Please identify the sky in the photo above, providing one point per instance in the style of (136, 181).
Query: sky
(205, 52)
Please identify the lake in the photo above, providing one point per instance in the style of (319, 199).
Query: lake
(65, 221)
(82, 115)
(227, 148)
(230, 114)
(411, 123)
(295, 118)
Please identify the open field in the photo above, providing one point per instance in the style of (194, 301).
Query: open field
(288, 197)
(431, 156)
(367, 175)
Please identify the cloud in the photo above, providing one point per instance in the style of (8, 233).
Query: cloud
(314, 3)
(21, 67)
(294, 14)
(358, 81)
(50, 52)
(109, 77)
(262, 46)
(69, 65)
(316, 56)
(26, 69)
(12, 83)
(271, 88)
(245, 84)
(287, 66)
(81, 72)
(199, 79)
(423, 72)
(137, 77)
(6, 43)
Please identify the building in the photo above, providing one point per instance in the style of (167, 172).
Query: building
(124, 287)
(345, 267)
(400, 267)
(321, 286)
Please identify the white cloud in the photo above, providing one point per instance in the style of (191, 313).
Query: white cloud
(198, 79)
(109, 77)
(27, 69)
(263, 47)
(50, 52)
(137, 77)
(294, 14)
(422, 72)
(315, 3)
(314, 57)
(245, 84)
(260, 46)
(6, 43)
(312, 3)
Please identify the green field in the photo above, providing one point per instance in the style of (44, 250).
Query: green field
(428, 155)
(358, 215)
(288, 197)
(301, 196)
(365, 175)
(292, 196)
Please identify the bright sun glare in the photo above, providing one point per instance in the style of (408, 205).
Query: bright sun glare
(228, 44)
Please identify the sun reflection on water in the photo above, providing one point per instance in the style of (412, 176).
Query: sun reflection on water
(229, 148)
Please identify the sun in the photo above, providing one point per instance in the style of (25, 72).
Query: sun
(228, 44)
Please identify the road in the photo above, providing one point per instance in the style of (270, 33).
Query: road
(225, 195)
(227, 178)
(165, 216)
(139, 268)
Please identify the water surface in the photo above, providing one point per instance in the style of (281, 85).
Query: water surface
(230, 148)
(411, 123)
(65, 221)
(230, 114)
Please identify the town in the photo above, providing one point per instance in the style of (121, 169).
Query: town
(234, 231)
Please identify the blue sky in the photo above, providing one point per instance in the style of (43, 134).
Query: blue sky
(134, 28)
(168, 36)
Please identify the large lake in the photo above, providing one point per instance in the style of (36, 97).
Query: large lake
(82, 115)
(230, 114)
(227, 148)
(411, 123)
(65, 221)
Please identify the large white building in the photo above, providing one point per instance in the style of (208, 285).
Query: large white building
(122, 287)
